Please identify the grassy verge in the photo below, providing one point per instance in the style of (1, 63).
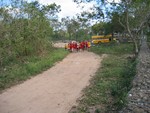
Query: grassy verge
(109, 87)
(26, 67)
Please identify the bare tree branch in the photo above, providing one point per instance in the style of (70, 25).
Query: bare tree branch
(122, 23)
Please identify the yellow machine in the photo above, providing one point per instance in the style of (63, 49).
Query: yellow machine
(101, 39)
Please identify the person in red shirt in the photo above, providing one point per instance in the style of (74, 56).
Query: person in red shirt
(71, 46)
(75, 46)
(86, 45)
(83, 45)
(80, 46)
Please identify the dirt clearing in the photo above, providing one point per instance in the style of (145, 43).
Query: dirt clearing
(55, 90)
(59, 44)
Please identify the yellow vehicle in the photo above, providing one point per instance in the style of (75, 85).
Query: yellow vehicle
(101, 39)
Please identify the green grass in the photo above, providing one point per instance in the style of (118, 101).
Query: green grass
(26, 67)
(115, 49)
(108, 89)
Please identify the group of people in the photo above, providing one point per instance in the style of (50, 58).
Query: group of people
(75, 46)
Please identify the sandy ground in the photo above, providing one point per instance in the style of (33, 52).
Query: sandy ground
(59, 45)
(55, 90)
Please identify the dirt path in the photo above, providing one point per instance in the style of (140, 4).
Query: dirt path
(55, 90)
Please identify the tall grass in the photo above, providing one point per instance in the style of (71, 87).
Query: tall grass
(115, 49)
(26, 67)
(108, 89)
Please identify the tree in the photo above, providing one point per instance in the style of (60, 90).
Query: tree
(25, 28)
(116, 26)
(134, 15)
(72, 28)
(98, 28)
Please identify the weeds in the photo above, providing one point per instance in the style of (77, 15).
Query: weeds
(114, 49)
(109, 87)
(26, 67)
(120, 88)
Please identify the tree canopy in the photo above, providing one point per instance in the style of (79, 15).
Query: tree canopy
(132, 16)
(25, 28)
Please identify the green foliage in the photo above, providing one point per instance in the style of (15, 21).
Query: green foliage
(97, 111)
(109, 87)
(113, 48)
(98, 28)
(27, 67)
(128, 16)
(25, 32)
(120, 88)
(112, 26)
(71, 29)
(25, 36)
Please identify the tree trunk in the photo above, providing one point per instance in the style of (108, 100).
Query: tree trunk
(129, 31)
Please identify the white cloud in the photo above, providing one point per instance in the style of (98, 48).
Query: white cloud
(68, 7)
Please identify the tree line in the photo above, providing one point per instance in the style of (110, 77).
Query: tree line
(28, 28)
(128, 16)
(24, 28)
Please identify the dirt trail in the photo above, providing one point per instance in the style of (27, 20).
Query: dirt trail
(55, 90)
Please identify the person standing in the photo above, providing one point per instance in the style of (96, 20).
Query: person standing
(88, 45)
(75, 46)
(66, 46)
